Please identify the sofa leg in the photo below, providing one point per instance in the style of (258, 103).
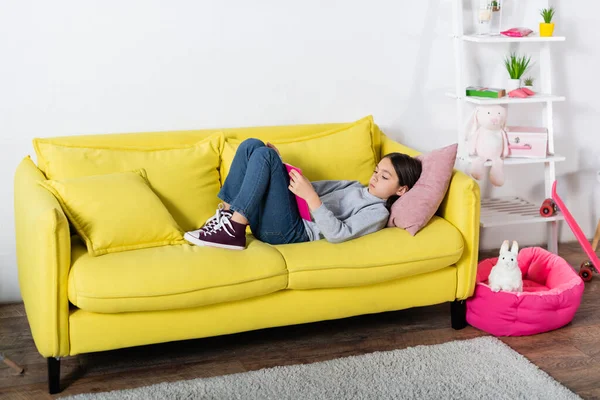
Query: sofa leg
(458, 312)
(53, 375)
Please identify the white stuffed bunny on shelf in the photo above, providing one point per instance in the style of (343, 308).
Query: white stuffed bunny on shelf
(487, 140)
(506, 274)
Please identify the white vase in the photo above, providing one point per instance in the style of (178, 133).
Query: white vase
(513, 84)
(529, 87)
(484, 19)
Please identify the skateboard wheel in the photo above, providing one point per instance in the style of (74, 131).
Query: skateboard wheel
(588, 264)
(548, 208)
(585, 273)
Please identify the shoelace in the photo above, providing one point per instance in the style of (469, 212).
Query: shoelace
(214, 220)
(223, 224)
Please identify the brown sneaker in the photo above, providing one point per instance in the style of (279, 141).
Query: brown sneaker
(227, 234)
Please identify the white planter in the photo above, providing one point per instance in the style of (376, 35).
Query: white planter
(513, 84)
(529, 87)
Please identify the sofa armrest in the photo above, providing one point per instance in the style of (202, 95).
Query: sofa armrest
(461, 207)
(43, 260)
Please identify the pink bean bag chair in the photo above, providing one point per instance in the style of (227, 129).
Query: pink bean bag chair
(551, 295)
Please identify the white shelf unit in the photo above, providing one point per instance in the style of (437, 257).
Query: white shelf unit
(536, 98)
(522, 160)
(504, 39)
(506, 211)
(502, 211)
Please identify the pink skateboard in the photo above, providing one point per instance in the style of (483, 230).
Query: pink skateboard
(585, 271)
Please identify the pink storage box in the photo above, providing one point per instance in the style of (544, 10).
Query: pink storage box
(527, 141)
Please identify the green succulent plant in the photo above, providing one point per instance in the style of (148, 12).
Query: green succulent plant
(529, 81)
(516, 66)
(547, 14)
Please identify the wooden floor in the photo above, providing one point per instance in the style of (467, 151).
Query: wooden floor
(571, 354)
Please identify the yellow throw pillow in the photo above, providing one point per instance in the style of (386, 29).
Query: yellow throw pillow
(184, 177)
(115, 212)
(344, 153)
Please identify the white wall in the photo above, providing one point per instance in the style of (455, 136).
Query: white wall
(80, 67)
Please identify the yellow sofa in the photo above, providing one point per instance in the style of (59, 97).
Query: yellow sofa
(77, 303)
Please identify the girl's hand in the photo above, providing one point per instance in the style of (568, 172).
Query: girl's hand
(272, 146)
(301, 187)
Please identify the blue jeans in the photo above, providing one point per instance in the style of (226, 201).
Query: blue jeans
(257, 188)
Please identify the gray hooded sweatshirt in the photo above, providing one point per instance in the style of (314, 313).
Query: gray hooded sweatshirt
(348, 211)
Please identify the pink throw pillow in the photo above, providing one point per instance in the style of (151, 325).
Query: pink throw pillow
(414, 210)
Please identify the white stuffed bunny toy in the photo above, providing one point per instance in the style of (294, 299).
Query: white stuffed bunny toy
(506, 274)
(487, 140)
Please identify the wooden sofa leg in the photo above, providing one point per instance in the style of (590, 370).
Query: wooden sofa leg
(458, 312)
(53, 375)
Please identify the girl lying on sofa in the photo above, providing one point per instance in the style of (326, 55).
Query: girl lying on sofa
(259, 191)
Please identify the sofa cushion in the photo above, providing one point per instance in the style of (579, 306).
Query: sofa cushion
(185, 177)
(172, 277)
(347, 152)
(388, 254)
(115, 212)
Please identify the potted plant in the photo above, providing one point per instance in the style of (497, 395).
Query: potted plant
(516, 67)
(529, 82)
(495, 5)
(547, 27)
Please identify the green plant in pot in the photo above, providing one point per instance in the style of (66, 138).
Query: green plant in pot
(547, 27)
(516, 67)
(529, 82)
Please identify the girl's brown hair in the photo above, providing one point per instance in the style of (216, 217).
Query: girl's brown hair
(408, 170)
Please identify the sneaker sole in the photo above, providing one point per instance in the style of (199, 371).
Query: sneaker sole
(192, 239)
(199, 242)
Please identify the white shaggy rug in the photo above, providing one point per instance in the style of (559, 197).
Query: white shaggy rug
(481, 368)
